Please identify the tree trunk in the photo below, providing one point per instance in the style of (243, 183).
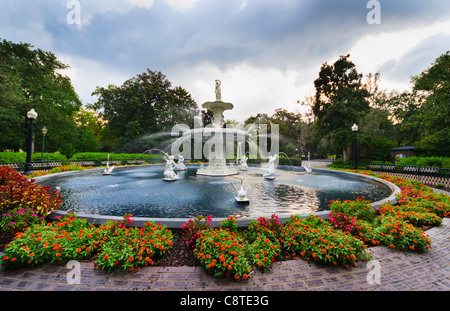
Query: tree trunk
(347, 152)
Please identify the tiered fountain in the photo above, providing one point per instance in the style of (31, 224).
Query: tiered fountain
(217, 165)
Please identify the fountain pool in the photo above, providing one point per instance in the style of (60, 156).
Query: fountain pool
(141, 191)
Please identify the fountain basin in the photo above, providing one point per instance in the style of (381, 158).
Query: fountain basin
(141, 191)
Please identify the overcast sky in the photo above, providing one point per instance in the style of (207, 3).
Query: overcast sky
(267, 53)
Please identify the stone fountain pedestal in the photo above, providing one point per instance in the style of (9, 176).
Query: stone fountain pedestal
(217, 166)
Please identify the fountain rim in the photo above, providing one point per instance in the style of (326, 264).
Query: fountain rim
(176, 223)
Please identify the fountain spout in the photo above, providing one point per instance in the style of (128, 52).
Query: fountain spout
(108, 170)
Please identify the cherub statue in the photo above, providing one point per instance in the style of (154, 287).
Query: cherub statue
(218, 91)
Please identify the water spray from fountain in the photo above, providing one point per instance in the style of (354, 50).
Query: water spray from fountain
(108, 170)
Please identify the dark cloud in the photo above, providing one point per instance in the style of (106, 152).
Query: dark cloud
(417, 59)
(289, 35)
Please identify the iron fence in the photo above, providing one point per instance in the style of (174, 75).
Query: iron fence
(423, 174)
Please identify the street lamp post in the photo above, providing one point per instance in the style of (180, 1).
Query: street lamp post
(355, 150)
(44, 132)
(32, 115)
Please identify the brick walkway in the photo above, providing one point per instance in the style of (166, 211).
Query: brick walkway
(400, 271)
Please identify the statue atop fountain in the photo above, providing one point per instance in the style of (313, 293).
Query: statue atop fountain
(218, 91)
(270, 172)
(169, 174)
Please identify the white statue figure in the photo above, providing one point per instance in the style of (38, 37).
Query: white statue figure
(270, 173)
(169, 174)
(108, 170)
(243, 164)
(180, 164)
(307, 165)
(241, 193)
(218, 91)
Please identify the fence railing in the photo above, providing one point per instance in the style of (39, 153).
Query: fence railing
(424, 174)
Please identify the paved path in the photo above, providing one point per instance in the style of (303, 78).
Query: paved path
(400, 271)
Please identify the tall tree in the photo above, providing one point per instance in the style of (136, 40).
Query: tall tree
(433, 86)
(145, 104)
(340, 101)
(31, 78)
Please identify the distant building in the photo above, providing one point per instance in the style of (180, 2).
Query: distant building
(403, 152)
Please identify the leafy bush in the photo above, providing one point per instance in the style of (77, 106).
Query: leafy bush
(365, 231)
(19, 218)
(18, 193)
(114, 156)
(230, 224)
(262, 252)
(341, 221)
(191, 230)
(222, 253)
(426, 161)
(72, 238)
(314, 239)
(415, 215)
(21, 157)
(131, 248)
(360, 208)
(397, 233)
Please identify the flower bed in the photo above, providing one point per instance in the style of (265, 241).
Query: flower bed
(72, 238)
(22, 202)
(227, 251)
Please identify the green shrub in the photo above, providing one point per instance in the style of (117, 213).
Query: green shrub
(426, 161)
(20, 194)
(131, 248)
(22, 156)
(413, 214)
(315, 240)
(394, 232)
(102, 156)
(223, 254)
(360, 208)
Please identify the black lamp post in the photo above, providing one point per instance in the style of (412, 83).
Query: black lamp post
(32, 115)
(44, 132)
(355, 150)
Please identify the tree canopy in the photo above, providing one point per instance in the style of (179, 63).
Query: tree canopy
(340, 101)
(31, 78)
(143, 105)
